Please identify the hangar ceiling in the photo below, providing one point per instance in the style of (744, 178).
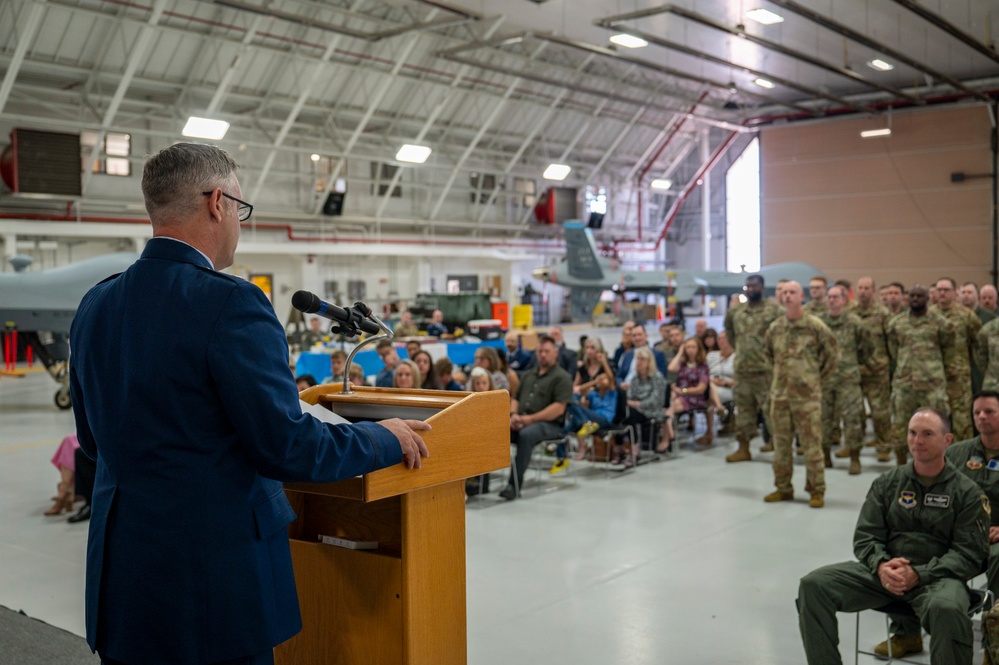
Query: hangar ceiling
(498, 88)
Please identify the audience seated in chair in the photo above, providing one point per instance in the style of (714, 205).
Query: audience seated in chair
(691, 387)
(407, 375)
(593, 412)
(338, 361)
(646, 396)
(445, 369)
(721, 367)
(64, 461)
(479, 381)
(425, 364)
(305, 381)
(593, 363)
(487, 358)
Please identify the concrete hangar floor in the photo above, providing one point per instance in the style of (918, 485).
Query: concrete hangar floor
(677, 562)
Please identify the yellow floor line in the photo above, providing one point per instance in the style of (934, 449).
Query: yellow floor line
(37, 444)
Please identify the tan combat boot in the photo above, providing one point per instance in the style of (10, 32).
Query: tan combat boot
(816, 501)
(740, 455)
(767, 448)
(854, 462)
(843, 452)
(900, 646)
(777, 495)
(884, 455)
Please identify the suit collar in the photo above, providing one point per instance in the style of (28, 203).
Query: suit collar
(171, 249)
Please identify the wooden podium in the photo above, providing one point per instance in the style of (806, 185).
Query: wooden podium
(404, 602)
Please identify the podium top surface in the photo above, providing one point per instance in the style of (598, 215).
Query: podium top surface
(470, 436)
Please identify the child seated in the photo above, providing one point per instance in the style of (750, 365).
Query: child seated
(590, 414)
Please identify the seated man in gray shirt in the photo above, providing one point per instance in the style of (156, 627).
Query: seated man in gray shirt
(537, 410)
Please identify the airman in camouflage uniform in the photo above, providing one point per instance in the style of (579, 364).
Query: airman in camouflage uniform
(966, 326)
(842, 398)
(921, 342)
(745, 327)
(874, 375)
(987, 354)
(804, 355)
(817, 291)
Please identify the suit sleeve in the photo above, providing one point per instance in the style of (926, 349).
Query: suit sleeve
(83, 432)
(248, 359)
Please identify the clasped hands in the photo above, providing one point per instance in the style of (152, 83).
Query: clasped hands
(897, 576)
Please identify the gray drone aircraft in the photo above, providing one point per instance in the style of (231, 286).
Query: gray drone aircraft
(40, 306)
(588, 275)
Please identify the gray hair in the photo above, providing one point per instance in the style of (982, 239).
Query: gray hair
(650, 358)
(174, 178)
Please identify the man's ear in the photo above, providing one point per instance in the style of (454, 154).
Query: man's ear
(215, 205)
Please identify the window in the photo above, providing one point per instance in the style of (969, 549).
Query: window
(742, 211)
(596, 200)
(482, 185)
(117, 148)
(526, 192)
(382, 175)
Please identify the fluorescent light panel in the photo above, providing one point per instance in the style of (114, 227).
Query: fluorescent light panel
(415, 154)
(871, 133)
(628, 41)
(661, 183)
(764, 16)
(205, 128)
(556, 172)
(763, 83)
(880, 65)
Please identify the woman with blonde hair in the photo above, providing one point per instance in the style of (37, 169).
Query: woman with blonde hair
(407, 375)
(646, 398)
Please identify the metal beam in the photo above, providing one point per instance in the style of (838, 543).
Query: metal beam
(27, 37)
(372, 107)
(864, 40)
(497, 109)
(949, 28)
(226, 81)
(136, 55)
(432, 118)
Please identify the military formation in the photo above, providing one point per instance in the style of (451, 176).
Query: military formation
(806, 370)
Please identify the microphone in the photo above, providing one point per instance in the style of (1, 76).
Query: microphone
(349, 319)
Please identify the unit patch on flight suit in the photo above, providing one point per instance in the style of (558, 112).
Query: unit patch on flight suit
(907, 499)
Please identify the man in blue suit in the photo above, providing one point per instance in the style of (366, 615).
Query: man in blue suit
(182, 394)
(626, 370)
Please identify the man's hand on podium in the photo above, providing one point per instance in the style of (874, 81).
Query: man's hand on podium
(413, 448)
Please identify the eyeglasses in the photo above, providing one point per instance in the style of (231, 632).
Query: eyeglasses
(243, 210)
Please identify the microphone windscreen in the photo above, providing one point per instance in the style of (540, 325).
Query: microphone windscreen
(306, 302)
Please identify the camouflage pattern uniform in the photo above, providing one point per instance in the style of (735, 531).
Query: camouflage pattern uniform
(987, 354)
(841, 394)
(804, 355)
(816, 308)
(921, 347)
(958, 370)
(874, 375)
(745, 327)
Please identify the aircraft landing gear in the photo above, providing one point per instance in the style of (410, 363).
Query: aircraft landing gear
(63, 399)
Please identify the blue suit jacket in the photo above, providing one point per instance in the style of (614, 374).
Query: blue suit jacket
(182, 393)
(628, 357)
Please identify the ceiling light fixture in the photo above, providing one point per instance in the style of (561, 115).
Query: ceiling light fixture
(661, 183)
(871, 133)
(628, 41)
(414, 154)
(880, 65)
(556, 172)
(205, 128)
(763, 83)
(314, 157)
(764, 16)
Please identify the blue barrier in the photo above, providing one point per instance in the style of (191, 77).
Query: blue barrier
(318, 364)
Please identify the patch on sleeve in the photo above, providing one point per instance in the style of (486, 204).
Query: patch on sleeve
(974, 462)
(907, 499)
(936, 500)
(985, 505)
